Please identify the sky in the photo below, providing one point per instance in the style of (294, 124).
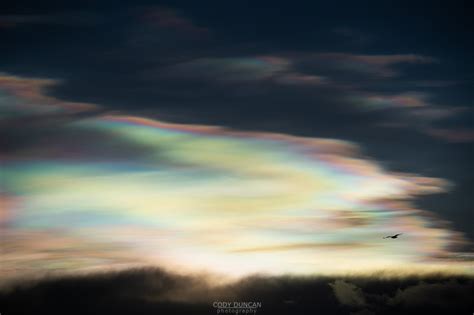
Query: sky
(237, 138)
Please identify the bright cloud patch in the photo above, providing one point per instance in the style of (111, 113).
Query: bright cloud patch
(208, 198)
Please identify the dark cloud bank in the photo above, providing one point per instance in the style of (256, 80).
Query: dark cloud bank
(154, 291)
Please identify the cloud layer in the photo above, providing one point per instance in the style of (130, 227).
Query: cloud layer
(99, 191)
(152, 291)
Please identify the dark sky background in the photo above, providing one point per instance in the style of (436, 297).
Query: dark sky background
(396, 77)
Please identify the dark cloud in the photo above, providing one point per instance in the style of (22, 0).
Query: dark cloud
(448, 294)
(154, 291)
(72, 18)
(348, 293)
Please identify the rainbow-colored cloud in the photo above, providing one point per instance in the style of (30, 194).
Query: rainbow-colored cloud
(209, 198)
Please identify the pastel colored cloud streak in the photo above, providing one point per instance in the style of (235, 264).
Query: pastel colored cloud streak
(240, 69)
(209, 198)
(27, 96)
(378, 65)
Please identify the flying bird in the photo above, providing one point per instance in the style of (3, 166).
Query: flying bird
(393, 236)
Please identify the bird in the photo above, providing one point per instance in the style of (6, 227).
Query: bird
(393, 236)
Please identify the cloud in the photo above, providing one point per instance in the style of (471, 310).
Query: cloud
(28, 96)
(329, 85)
(154, 291)
(402, 295)
(448, 294)
(86, 177)
(216, 171)
(131, 182)
(47, 249)
(455, 135)
(171, 19)
(376, 65)
(231, 69)
(294, 78)
(348, 293)
(298, 246)
(136, 45)
(415, 111)
(404, 100)
(242, 69)
(286, 68)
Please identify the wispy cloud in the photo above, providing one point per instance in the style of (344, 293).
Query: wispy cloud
(405, 100)
(271, 68)
(378, 65)
(451, 135)
(171, 19)
(299, 246)
(415, 111)
(27, 96)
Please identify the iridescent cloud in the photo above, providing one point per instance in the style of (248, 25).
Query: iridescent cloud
(253, 68)
(233, 69)
(209, 198)
(407, 100)
(27, 96)
(379, 65)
